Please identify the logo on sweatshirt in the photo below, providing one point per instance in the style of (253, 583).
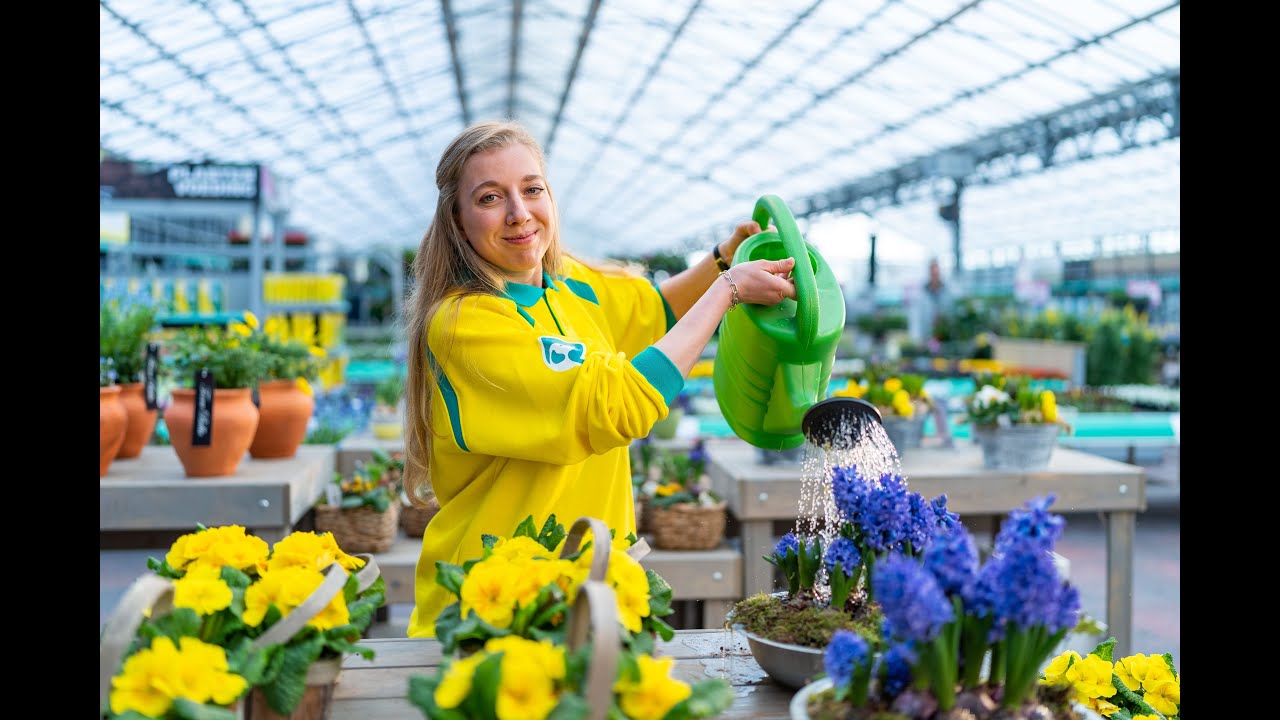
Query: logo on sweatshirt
(560, 354)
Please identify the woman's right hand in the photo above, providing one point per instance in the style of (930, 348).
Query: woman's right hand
(763, 282)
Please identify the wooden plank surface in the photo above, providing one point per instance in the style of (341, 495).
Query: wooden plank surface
(379, 688)
(692, 574)
(153, 492)
(1081, 481)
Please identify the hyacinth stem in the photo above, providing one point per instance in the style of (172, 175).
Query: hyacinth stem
(940, 659)
(998, 653)
(1023, 664)
(860, 684)
(973, 642)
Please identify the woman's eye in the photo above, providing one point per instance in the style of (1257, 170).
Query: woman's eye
(534, 190)
(488, 197)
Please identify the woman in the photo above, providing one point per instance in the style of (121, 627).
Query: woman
(531, 372)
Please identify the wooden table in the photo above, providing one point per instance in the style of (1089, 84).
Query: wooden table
(360, 447)
(758, 495)
(266, 497)
(379, 688)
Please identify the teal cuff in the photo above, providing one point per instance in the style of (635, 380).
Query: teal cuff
(663, 374)
(666, 308)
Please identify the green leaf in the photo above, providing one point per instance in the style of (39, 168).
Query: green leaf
(488, 541)
(552, 533)
(186, 709)
(1104, 649)
(450, 577)
(709, 697)
(378, 500)
(570, 707)
(526, 528)
(351, 502)
(285, 692)
(422, 693)
(659, 594)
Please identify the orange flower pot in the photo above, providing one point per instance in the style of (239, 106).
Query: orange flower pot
(112, 421)
(283, 412)
(235, 420)
(142, 422)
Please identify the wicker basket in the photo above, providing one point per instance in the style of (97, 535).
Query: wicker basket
(642, 520)
(413, 519)
(687, 526)
(362, 530)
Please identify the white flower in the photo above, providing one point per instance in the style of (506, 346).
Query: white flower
(649, 487)
(989, 395)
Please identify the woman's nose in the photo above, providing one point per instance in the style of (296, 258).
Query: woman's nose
(517, 213)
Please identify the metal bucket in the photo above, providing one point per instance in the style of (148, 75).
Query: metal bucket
(1018, 447)
(903, 432)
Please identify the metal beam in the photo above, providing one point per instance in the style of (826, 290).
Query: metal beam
(517, 18)
(587, 24)
(451, 32)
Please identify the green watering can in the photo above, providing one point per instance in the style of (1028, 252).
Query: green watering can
(773, 363)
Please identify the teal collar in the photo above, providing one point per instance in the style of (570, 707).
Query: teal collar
(528, 295)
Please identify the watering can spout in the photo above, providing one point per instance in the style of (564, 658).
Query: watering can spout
(839, 422)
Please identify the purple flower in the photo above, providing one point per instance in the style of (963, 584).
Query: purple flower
(1029, 589)
(843, 553)
(787, 543)
(846, 651)
(1068, 611)
(1034, 526)
(910, 598)
(698, 453)
(895, 669)
(942, 516)
(952, 557)
(917, 526)
(848, 488)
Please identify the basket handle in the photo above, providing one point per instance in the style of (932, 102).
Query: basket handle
(147, 592)
(599, 534)
(368, 573)
(639, 550)
(595, 619)
(335, 578)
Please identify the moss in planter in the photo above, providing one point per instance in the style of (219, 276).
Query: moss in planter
(774, 618)
(1049, 703)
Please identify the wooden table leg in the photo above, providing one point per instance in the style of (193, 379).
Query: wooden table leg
(757, 542)
(713, 612)
(1120, 533)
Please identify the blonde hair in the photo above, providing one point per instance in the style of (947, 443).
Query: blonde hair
(446, 264)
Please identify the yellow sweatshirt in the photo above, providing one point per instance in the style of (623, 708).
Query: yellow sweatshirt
(542, 392)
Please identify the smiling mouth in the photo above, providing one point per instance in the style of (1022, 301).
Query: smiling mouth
(522, 238)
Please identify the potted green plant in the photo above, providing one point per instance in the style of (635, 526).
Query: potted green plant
(285, 396)
(363, 510)
(386, 422)
(215, 361)
(124, 330)
(1016, 424)
(681, 509)
(902, 401)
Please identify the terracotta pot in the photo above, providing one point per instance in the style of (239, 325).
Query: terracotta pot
(235, 420)
(142, 422)
(112, 422)
(283, 412)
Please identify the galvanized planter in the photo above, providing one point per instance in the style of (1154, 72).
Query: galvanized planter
(1018, 447)
(904, 433)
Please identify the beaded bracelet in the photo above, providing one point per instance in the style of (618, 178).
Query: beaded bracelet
(720, 261)
(732, 286)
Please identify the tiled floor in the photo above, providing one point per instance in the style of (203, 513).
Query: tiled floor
(1157, 570)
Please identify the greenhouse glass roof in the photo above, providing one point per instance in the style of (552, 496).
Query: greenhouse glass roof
(663, 122)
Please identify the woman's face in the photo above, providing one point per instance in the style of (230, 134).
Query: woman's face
(506, 212)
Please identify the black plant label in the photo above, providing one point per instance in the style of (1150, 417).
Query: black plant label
(202, 428)
(149, 375)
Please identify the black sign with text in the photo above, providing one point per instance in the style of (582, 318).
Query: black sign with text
(202, 428)
(149, 375)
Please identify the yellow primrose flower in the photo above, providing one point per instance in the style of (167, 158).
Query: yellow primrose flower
(456, 683)
(305, 386)
(653, 695)
(287, 588)
(250, 319)
(1090, 677)
(308, 549)
(521, 548)
(1054, 672)
(317, 351)
(152, 678)
(226, 545)
(853, 390)
(543, 653)
(525, 691)
(488, 592)
(1049, 406)
(1133, 669)
(202, 590)
(666, 489)
(528, 578)
(902, 404)
(1101, 706)
(241, 329)
(630, 584)
(1146, 717)
(893, 385)
(570, 576)
(1162, 691)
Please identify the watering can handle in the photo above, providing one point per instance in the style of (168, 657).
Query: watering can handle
(771, 206)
